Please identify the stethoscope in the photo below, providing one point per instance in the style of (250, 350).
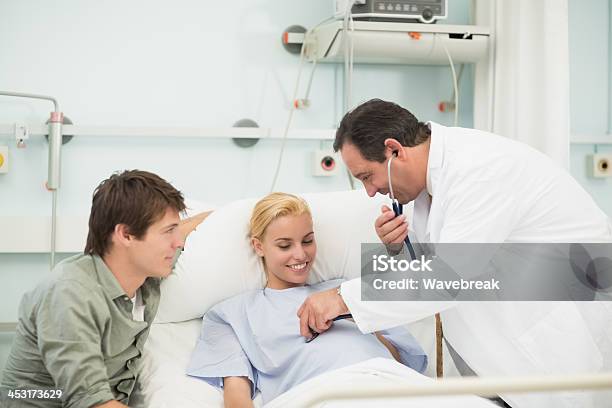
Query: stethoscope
(314, 334)
(398, 208)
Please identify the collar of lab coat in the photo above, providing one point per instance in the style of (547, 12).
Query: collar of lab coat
(436, 156)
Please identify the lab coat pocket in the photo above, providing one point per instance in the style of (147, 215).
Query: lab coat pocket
(560, 342)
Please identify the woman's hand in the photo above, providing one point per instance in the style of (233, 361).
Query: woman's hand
(237, 392)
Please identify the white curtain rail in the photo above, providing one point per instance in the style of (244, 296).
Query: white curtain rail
(175, 132)
(485, 387)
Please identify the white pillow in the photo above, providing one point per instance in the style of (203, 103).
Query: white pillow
(218, 261)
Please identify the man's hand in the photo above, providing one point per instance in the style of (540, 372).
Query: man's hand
(318, 310)
(391, 230)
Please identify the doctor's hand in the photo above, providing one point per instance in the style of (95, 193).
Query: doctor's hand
(318, 310)
(390, 229)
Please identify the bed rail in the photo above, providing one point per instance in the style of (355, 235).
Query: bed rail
(8, 327)
(484, 387)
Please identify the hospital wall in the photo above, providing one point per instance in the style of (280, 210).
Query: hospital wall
(590, 91)
(209, 64)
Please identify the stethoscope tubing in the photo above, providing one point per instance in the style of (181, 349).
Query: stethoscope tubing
(398, 208)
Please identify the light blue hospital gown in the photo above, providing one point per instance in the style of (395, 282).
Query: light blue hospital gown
(257, 335)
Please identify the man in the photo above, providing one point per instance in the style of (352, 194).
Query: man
(475, 187)
(81, 334)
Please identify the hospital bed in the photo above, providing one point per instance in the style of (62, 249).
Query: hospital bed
(209, 271)
(163, 383)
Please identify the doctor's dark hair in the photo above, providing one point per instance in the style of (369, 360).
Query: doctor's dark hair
(135, 198)
(368, 125)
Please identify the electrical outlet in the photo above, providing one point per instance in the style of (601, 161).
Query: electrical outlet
(4, 163)
(600, 165)
(324, 163)
(21, 134)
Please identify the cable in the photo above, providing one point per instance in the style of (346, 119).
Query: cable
(293, 108)
(351, 37)
(391, 195)
(459, 76)
(312, 72)
(455, 86)
(349, 50)
(346, 62)
(348, 55)
(306, 101)
(297, 103)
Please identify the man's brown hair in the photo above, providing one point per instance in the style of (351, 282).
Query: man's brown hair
(135, 198)
(368, 126)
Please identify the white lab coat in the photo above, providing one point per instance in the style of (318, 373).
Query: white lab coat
(486, 188)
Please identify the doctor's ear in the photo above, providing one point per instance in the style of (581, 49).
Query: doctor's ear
(394, 147)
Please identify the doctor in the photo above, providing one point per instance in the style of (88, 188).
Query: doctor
(472, 186)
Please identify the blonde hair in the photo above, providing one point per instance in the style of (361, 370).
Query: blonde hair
(273, 206)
